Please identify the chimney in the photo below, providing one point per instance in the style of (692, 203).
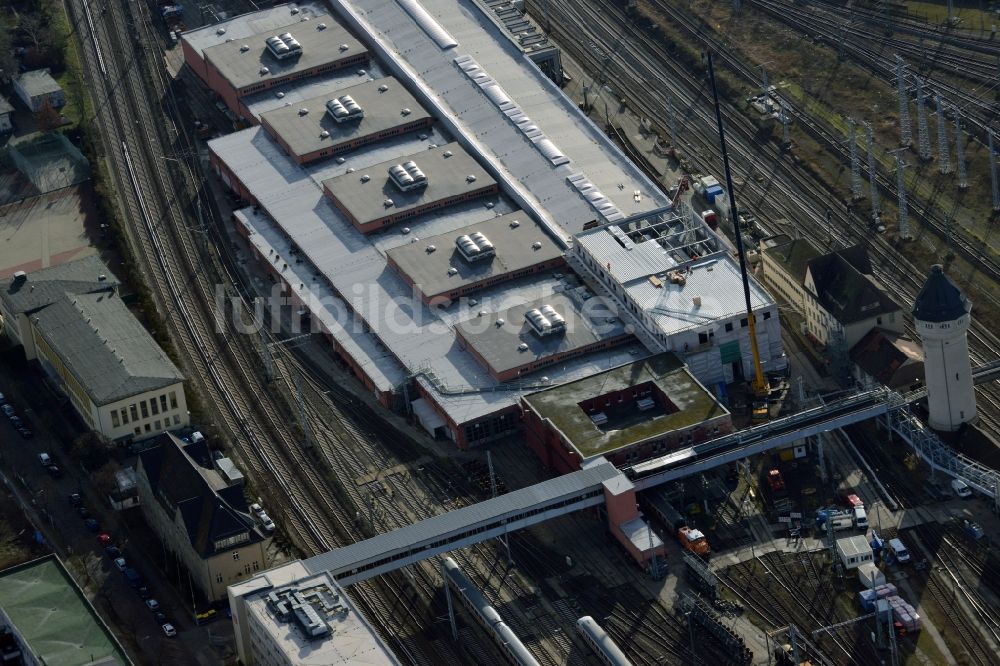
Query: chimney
(697, 301)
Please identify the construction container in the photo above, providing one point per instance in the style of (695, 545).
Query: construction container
(867, 598)
(870, 576)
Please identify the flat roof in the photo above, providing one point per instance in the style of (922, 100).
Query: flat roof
(241, 61)
(505, 340)
(293, 209)
(383, 110)
(564, 168)
(54, 618)
(447, 168)
(352, 640)
(716, 281)
(249, 24)
(642, 536)
(47, 230)
(560, 404)
(515, 250)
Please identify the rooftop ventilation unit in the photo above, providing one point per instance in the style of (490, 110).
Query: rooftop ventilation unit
(475, 246)
(344, 109)
(407, 176)
(538, 322)
(556, 319)
(283, 46)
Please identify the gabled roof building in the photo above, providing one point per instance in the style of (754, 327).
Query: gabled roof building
(71, 320)
(198, 516)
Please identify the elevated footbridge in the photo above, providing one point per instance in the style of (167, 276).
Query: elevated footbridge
(781, 432)
(600, 480)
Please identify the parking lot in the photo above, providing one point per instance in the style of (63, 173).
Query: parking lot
(76, 526)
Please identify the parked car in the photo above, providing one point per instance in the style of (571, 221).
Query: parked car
(8, 410)
(16, 422)
(133, 578)
(268, 525)
(143, 592)
(92, 525)
(169, 630)
(161, 618)
(44, 459)
(76, 500)
(104, 539)
(961, 488)
(3, 399)
(153, 605)
(257, 510)
(83, 512)
(25, 433)
(899, 550)
(120, 564)
(113, 552)
(54, 471)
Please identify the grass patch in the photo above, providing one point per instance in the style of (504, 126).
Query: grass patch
(79, 105)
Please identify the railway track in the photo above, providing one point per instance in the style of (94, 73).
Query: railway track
(612, 49)
(182, 275)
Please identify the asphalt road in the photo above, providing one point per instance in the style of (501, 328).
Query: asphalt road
(46, 501)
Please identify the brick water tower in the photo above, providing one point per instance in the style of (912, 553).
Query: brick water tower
(942, 316)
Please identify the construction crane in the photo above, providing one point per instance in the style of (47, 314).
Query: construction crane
(682, 187)
(759, 384)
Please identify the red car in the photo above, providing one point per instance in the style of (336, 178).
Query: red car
(853, 501)
(104, 539)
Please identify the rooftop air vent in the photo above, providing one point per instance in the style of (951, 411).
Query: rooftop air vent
(405, 230)
(341, 160)
(362, 72)
(407, 176)
(545, 321)
(475, 246)
(228, 39)
(283, 46)
(490, 205)
(515, 224)
(324, 135)
(279, 95)
(422, 137)
(388, 203)
(383, 88)
(447, 153)
(344, 47)
(499, 323)
(344, 109)
(303, 111)
(295, 10)
(470, 178)
(481, 313)
(350, 169)
(430, 248)
(220, 31)
(537, 245)
(365, 178)
(264, 70)
(522, 347)
(244, 48)
(452, 271)
(405, 111)
(473, 301)
(321, 26)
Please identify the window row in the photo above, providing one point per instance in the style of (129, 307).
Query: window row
(142, 410)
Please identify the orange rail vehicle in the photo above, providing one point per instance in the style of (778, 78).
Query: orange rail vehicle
(693, 540)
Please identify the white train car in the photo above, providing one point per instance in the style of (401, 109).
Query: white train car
(486, 616)
(601, 643)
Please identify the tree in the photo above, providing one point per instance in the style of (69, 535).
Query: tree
(8, 63)
(48, 118)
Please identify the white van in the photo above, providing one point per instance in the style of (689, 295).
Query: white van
(899, 550)
(860, 517)
(961, 488)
